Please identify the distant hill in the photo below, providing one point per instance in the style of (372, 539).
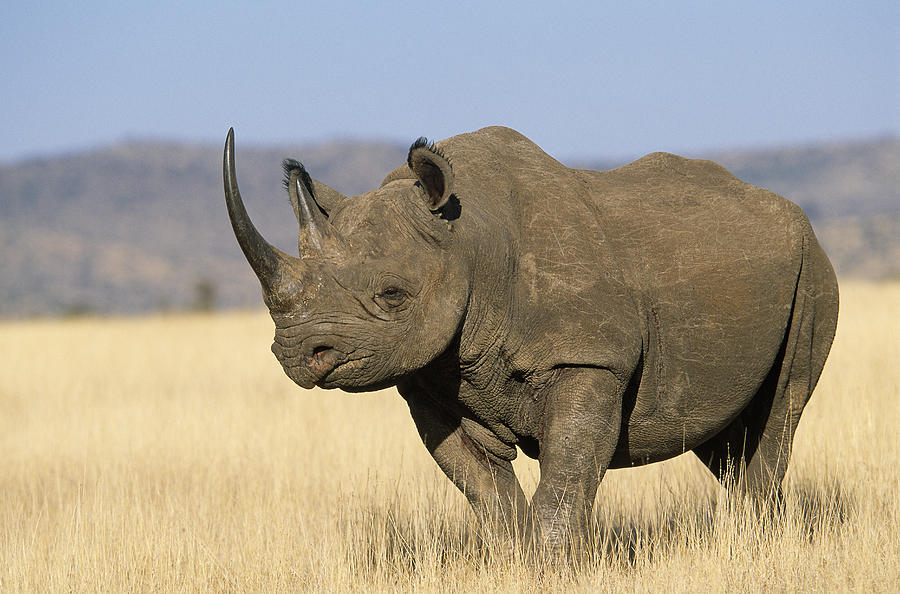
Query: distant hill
(141, 226)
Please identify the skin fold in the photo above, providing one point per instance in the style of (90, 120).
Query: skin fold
(592, 319)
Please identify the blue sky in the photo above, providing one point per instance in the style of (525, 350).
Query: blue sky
(583, 79)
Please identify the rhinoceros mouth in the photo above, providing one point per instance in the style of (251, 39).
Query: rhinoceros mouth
(342, 374)
(324, 371)
(311, 371)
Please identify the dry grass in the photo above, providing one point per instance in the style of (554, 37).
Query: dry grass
(171, 454)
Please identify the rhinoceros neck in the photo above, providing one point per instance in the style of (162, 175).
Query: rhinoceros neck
(483, 388)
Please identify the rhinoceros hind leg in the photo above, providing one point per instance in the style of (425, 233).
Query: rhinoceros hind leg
(754, 450)
(749, 454)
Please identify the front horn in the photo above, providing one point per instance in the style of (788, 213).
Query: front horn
(267, 261)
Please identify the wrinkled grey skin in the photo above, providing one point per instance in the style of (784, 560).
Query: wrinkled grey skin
(593, 319)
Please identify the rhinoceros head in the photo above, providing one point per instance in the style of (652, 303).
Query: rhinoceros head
(374, 294)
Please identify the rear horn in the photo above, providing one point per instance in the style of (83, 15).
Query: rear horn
(317, 235)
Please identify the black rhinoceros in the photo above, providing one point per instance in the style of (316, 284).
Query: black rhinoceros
(594, 319)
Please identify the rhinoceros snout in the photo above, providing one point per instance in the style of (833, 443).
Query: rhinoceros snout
(310, 363)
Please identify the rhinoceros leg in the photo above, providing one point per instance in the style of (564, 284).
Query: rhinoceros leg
(477, 463)
(744, 455)
(582, 420)
(755, 449)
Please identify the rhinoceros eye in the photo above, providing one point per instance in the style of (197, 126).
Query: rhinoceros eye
(391, 298)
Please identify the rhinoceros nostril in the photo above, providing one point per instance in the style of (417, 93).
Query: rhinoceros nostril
(320, 350)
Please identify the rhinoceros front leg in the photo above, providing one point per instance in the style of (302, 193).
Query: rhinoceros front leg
(476, 461)
(582, 420)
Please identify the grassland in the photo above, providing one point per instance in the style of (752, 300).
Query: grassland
(171, 454)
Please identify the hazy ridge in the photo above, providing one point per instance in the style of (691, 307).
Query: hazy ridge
(142, 225)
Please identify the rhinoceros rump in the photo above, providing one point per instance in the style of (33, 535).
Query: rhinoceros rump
(593, 319)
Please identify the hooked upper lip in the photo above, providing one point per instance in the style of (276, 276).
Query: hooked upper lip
(323, 362)
(308, 369)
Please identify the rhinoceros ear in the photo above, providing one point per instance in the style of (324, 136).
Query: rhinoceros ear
(433, 171)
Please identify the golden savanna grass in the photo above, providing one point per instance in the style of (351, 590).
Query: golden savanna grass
(172, 454)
